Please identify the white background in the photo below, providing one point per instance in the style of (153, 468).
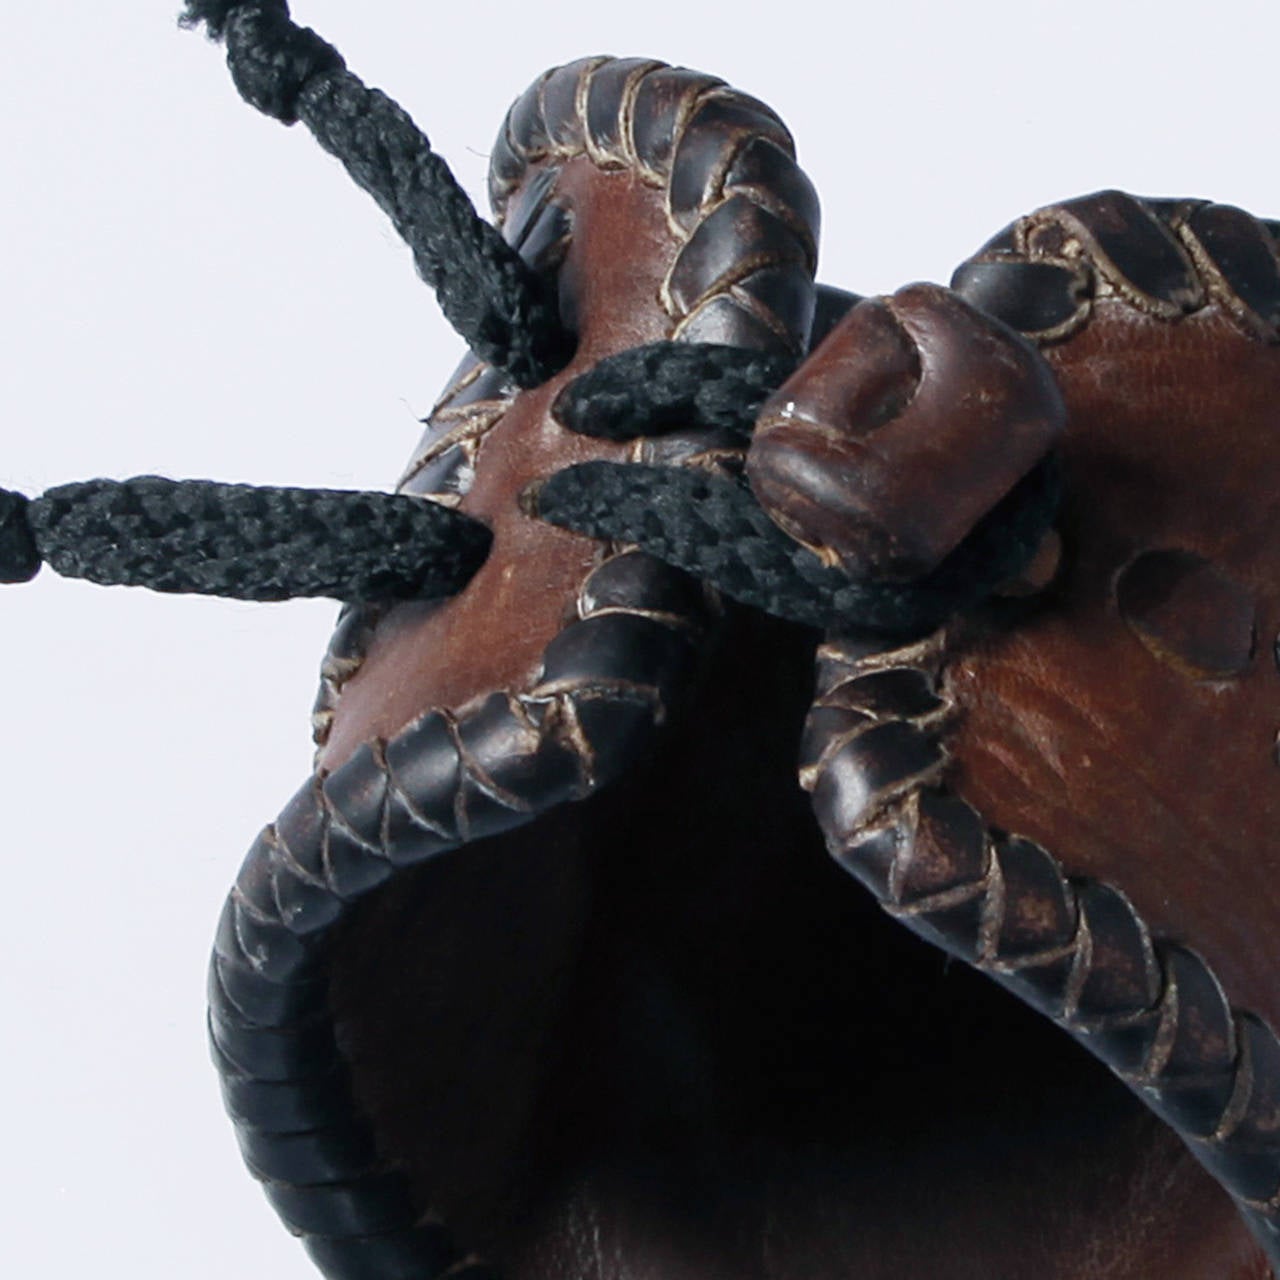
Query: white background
(189, 289)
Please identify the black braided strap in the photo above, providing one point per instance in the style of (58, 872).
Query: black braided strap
(486, 291)
(668, 386)
(714, 528)
(255, 543)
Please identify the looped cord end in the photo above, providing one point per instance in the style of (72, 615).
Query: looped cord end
(508, 317)
(19, 557)
(214, 14)
(272, 61)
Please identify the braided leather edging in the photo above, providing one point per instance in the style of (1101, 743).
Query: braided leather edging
(875, 756)
(727, 164)
(743, 212)
(606, 681)
(445, 780)
(1166, 258)
(875, 760)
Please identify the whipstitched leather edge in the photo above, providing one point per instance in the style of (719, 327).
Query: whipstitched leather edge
(1076, 949)
(1166, 258)
(875, 755)
(450, 778)
(711, 131)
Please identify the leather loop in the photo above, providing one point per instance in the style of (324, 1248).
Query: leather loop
(914, 417)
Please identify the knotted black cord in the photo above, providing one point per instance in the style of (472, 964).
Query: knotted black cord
(501, 308)
(714, 528)
(20, 558)
(271, 544)
(669, 386)
(241, 541)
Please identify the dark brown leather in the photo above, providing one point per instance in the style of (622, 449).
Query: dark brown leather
(492, 635)
(1078, 796)
(915, 416)
(660, 1034)
(1142, 715)
(1160, 636)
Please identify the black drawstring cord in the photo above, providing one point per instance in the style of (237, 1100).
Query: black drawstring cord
(713, 527)
(668, 386)
(270, 544)
(509, 318)
(241, 541)
(504, 312)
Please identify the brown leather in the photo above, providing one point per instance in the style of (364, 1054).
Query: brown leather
(1142, 753)
(1076, 794)
(660, 1034)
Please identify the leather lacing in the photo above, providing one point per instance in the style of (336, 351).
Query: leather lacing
(275, 543)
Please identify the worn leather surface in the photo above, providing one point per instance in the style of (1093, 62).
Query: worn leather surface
(492, 635)
(1146, 755)
(657, 1033)
(910, 421)
(1075, 793)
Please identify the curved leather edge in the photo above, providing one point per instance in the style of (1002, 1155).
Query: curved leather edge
(454, 775)
(877, 762)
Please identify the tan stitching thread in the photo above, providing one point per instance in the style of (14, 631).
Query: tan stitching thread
(1164, 1011)
(1102, 279)
(480, 418)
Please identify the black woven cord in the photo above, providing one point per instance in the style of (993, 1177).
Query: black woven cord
(255, 543)
(501, 308)
(714, 528)
(19, 558)
(270, 58)
(670, 385)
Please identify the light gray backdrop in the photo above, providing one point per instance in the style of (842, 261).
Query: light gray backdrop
(189, 289)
